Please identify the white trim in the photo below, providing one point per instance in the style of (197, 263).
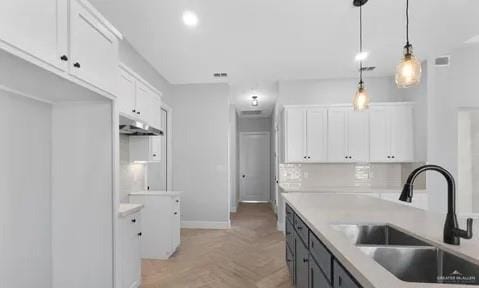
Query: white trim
(205, 225)
(138, 77)
(338, 105)
(87, 5)
(234, 209)
(169, 145)
(256, 202)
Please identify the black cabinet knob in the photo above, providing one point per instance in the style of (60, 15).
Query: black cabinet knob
(305, 260)
(140, 234)
(133, 220)
(299, 228)
(305, 157)
(138, 113)
(77, 65)
(393, 157)
(389, 157)
(64, 58)
(176, 213)
(134, 111)
(154, 155)
(177, 201)
(309, 157)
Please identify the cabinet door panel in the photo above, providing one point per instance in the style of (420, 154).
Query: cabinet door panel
(316, 277)
(317, 135)
(155, 148)
(290, 262)
(176, 225)
(143, 102)
(402, 133)
(126, 96)
(302, 265)
(295, 140)
(379, 137)
(35, 27)
(342, 279)
(337, 135)
(358, 136)
(94, 48)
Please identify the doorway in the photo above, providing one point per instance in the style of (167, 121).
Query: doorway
(254, 167)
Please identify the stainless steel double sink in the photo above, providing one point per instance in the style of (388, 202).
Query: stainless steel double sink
(409, 258)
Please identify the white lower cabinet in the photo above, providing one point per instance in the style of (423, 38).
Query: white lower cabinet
(130, 235)
(160, 223)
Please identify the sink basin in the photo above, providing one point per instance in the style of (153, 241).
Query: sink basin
(374, 234)
(424, 264)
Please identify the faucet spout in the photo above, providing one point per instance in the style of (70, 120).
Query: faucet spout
(452, 233)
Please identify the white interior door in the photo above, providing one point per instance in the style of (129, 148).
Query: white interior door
(255, 167)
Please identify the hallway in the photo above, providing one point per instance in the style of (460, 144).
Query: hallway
(249, 255)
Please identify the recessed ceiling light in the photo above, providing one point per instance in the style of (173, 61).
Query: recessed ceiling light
(190, 19)
(361, 56)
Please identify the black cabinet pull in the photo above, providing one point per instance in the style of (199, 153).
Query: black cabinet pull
(340, 281)
(176, 213)
(64, 58)
(154, 155)
(299, 228)
(77, 65)
(305, 260)
(177, 201)
(138, 113)
(289, 260)
(288, 233)
(140, 234)
(133, 220)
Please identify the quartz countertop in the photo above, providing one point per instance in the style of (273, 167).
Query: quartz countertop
(157, 193)
(128, 209)
(337, 189)
(321, 210)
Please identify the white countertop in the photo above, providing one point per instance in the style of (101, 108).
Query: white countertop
(128, 209)
(157, 193)
(360, 189)
(320, 210)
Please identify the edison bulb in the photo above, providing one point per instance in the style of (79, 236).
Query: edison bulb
(409, 71)
(361, 99)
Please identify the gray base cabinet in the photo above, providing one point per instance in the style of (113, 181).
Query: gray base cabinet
(309, 262)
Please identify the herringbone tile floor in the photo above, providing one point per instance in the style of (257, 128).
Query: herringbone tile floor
(250, 254)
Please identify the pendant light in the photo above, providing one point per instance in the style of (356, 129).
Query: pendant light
(361, 97)
(408, 72)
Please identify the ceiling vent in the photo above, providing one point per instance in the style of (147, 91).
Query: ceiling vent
(251, 112)
(220, 75)
(367, 68)
(442, 61)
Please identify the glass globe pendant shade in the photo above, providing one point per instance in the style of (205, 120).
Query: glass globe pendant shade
(361, 98)
(409, 71)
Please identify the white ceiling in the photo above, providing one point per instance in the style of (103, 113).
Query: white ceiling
(268, 40)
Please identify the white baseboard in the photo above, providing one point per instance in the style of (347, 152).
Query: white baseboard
(233, 209)
(205, 225)
(280, 226)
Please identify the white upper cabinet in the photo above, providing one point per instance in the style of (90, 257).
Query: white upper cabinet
(137, 99)
(37, 28)
(392, 133)
(67, 37)
(93, 49)
(294, 135)
(127, 94)
(348, 135)
(316, 134)
(305, 135)
(145, 148)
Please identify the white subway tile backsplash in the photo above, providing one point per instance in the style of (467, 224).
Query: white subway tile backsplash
(343, 175)
(132, 176)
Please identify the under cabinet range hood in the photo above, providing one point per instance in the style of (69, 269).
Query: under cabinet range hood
(137, 128)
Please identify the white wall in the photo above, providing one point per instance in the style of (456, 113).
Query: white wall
(233, 159)
(450, 89)
(335, 91)
(200, 152)
(254, 124)
(25, 193)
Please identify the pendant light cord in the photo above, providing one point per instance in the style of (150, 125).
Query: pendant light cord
(361, 43)
(407, 23)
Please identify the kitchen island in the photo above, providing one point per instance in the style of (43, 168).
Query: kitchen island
(311, 218)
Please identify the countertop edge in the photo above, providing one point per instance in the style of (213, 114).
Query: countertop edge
(128, 209)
